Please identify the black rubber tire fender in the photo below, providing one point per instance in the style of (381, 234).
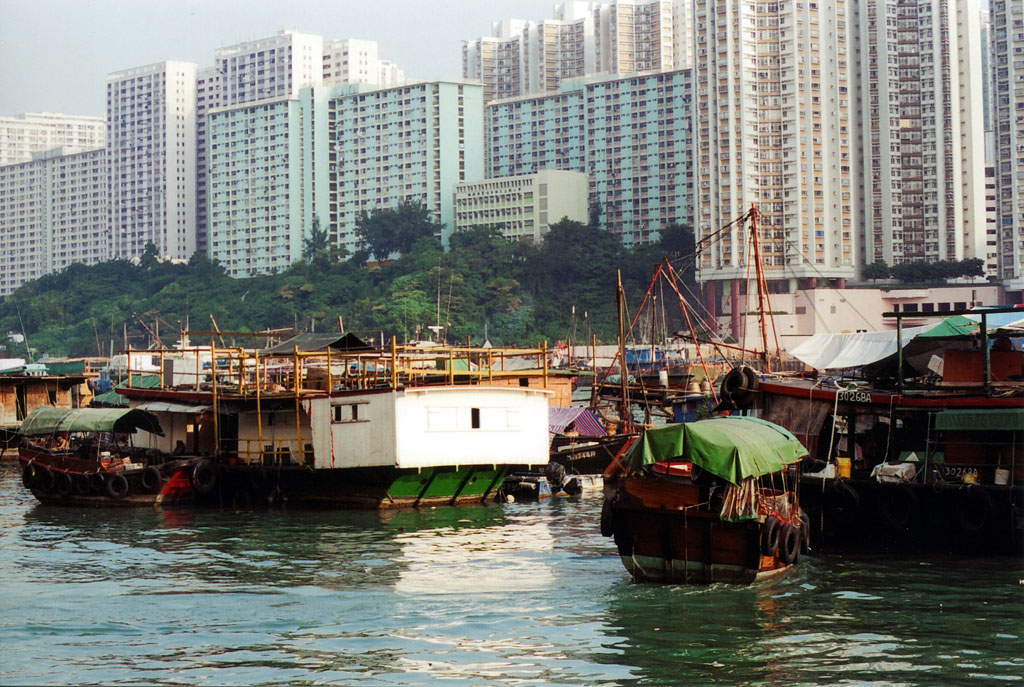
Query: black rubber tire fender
(805, 532)
(789, 544)
(98, 482)
(845, 504)
(734, 384)
(46, 478)
(28, 476)
(608, 517)
(117, 486)
(204, 477)
(898, 506)
(151, 479)
(82, 484)
(973, 508)
(62, 484)
(770, 532)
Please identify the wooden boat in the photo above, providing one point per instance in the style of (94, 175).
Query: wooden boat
(86, 457)
(368, 428)
(927, 456)
(709, 501)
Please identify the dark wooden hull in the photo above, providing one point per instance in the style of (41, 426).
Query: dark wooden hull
(661, 540)
(587, 455)
(861, 512)
(63, 479)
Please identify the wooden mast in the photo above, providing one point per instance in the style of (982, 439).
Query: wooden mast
(625, 419)
(759, 275)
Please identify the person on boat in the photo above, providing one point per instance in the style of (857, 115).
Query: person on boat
(60, 442)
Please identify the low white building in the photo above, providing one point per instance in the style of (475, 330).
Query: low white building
(522, 207)
(800, 315)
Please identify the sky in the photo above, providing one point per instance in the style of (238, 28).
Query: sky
(55, 54)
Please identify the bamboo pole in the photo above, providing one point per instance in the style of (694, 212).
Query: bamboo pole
(298, 422)
(259, 411)
(216, 418)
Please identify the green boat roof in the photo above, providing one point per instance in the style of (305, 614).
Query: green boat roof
(991, 419)
(45, 421)
(733, 448)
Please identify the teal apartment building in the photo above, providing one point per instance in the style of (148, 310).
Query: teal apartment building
(630, 135)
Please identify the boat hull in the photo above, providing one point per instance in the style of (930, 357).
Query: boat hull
(660, 541)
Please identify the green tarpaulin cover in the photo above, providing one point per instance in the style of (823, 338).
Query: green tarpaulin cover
(45, 421)
(951, 328)
(733, 448)
(1001, 419)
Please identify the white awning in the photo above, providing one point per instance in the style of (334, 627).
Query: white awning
(837, 351)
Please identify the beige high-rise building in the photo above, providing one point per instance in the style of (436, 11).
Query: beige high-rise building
(33, 132)
(582, 39)
(353, 60)
(773, 128)
(921, 130)
(1007, 60)
(151, 159)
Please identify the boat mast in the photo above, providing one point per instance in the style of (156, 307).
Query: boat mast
(759, 275)
(625, 422)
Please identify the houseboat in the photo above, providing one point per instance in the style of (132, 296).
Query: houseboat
(709, 501)
(325, 420)
(916, 435)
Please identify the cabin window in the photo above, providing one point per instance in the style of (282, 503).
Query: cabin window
(474, 414)
(895, 307)
(801, 310)
(52, 395)
(910, 307)
(943, 307)
(347, 412)
(524, 381)
(960, 306)
(927, 307)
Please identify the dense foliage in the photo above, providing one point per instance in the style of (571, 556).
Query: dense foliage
(516, 293)
(924, 272)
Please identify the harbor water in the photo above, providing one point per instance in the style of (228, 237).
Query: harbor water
(513, 594)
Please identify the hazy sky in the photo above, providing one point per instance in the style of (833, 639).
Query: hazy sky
(55, 54)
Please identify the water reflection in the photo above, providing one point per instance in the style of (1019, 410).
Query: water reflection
(835, 620)
(518, 594)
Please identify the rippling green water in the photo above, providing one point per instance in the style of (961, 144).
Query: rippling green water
(521, 594)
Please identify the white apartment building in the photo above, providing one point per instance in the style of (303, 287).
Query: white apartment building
(265, 189)
(151, 159)
(682, 34)
(523, 207)
(773, 128)
(53, 213)
(1007, 58)
(921, 130)
(274, 67)
(351, 60)
(411, 143)
(584, 38)
(32, 132)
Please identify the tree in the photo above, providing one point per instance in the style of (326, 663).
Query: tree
(396, 230)
(879, 269)
(316, 243)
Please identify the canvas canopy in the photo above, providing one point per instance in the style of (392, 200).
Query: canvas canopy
(309, 342)
(47, 421)
(733, 448)
(994, 419)
(837, 351)
(583, 421)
